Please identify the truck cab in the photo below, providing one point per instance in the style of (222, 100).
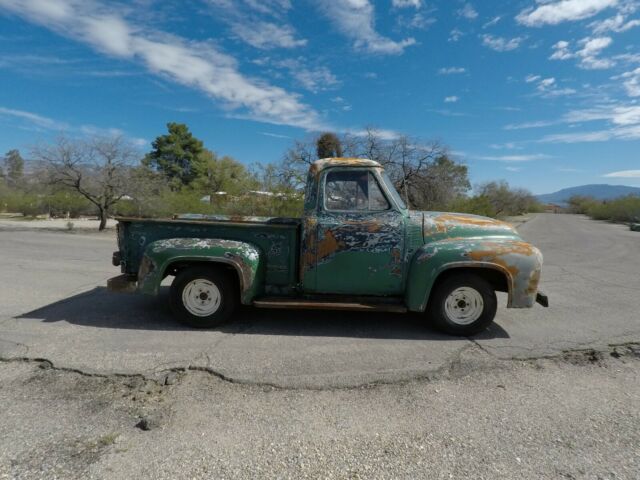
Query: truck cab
(356, 247)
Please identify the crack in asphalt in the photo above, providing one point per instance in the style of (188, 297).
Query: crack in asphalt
(454, 368)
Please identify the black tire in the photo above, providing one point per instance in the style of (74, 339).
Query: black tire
(437, 309)
(223, 281)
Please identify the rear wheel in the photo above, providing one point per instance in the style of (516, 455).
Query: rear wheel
(463, 304)
(203, 297)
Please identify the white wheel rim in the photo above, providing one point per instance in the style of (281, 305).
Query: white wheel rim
(201, 297)
(464, 305)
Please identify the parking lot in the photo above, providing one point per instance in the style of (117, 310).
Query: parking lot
(549, 393)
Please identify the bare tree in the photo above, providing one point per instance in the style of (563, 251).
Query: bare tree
(99, 169)
(423, 172)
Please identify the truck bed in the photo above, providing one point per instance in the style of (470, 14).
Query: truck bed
(276, 237)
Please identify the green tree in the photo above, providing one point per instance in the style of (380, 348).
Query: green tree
(15, 166)
(214, 174)
(177, 155)
(328, 145)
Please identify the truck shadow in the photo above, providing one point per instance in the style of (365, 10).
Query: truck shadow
(102, 309)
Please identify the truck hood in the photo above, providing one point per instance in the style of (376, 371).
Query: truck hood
(441, 225)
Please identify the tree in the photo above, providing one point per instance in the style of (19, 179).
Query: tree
(14, 165)
(99, 169)
(505, 200)
(328, 145)
(176, 154)
(224, 174)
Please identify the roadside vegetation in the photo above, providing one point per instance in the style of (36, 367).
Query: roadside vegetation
(624, 209)
(102, 176)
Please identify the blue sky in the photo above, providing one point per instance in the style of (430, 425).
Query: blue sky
(542, 93)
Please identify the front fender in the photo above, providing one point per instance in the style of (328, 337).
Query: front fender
(520, 262)
(161, 254)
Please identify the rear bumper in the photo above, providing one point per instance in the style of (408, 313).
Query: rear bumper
(123, 284)
(542, 299)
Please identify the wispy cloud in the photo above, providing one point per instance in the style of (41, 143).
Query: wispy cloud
(274, 135)
(260, 24)
(617, 24)
(356, 20)
(34, 118)
(526, 125)
(515, 158)
(37, 122)
(559, 11)
(406, 3)
(451, 70)
(314, 79)
(468, 12)
(501, 44)
(624, 174)
(196, 64)
(492, 22)
(267, 35)
(623, 123)
(631, 82)
(455, 35)
(451, 99)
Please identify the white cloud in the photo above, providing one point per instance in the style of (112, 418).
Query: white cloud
(492, 22)
(501, 44)
(274, 135)
(513, 169)
(451, 70)
(406, 3)
(631, 82)
(198, 65)
(555, 12)
(624, 123)
(588, 55)
(34, 118)
(356, 19)
(561, 51)
(618, 115)
(267, 35)
(451, 99)
(468, 12)
(532, 78)
(616, 24)
(515, 158)
(624, 174)
(455, 35)
(526, 125)
(314, 79)
(39, 123)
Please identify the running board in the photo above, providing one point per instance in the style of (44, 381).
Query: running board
(302, 304)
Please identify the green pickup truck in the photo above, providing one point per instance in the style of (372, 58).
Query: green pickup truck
(357, 247)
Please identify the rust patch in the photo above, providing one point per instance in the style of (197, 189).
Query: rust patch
(534, 280)
(328, 245)
(469, 220)
(494, 252)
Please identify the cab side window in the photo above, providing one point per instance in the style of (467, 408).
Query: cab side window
(353, 190)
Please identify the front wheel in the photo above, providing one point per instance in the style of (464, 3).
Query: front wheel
(203, 297)
(463, 304)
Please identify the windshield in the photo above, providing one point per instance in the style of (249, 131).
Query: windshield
(392, 190)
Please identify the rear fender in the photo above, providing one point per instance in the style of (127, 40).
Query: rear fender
(160, 255)
(518, 261)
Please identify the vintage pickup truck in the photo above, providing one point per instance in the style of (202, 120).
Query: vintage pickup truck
(357, 247)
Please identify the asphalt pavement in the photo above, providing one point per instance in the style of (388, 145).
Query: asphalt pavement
(54, 306)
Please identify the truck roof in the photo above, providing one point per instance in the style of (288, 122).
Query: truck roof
(323, 163)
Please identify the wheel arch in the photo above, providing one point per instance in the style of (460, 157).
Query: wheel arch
(168, 257)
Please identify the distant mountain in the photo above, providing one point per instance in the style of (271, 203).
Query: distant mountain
(599, 191)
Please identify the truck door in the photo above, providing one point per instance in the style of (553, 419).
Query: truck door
(359, 236)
